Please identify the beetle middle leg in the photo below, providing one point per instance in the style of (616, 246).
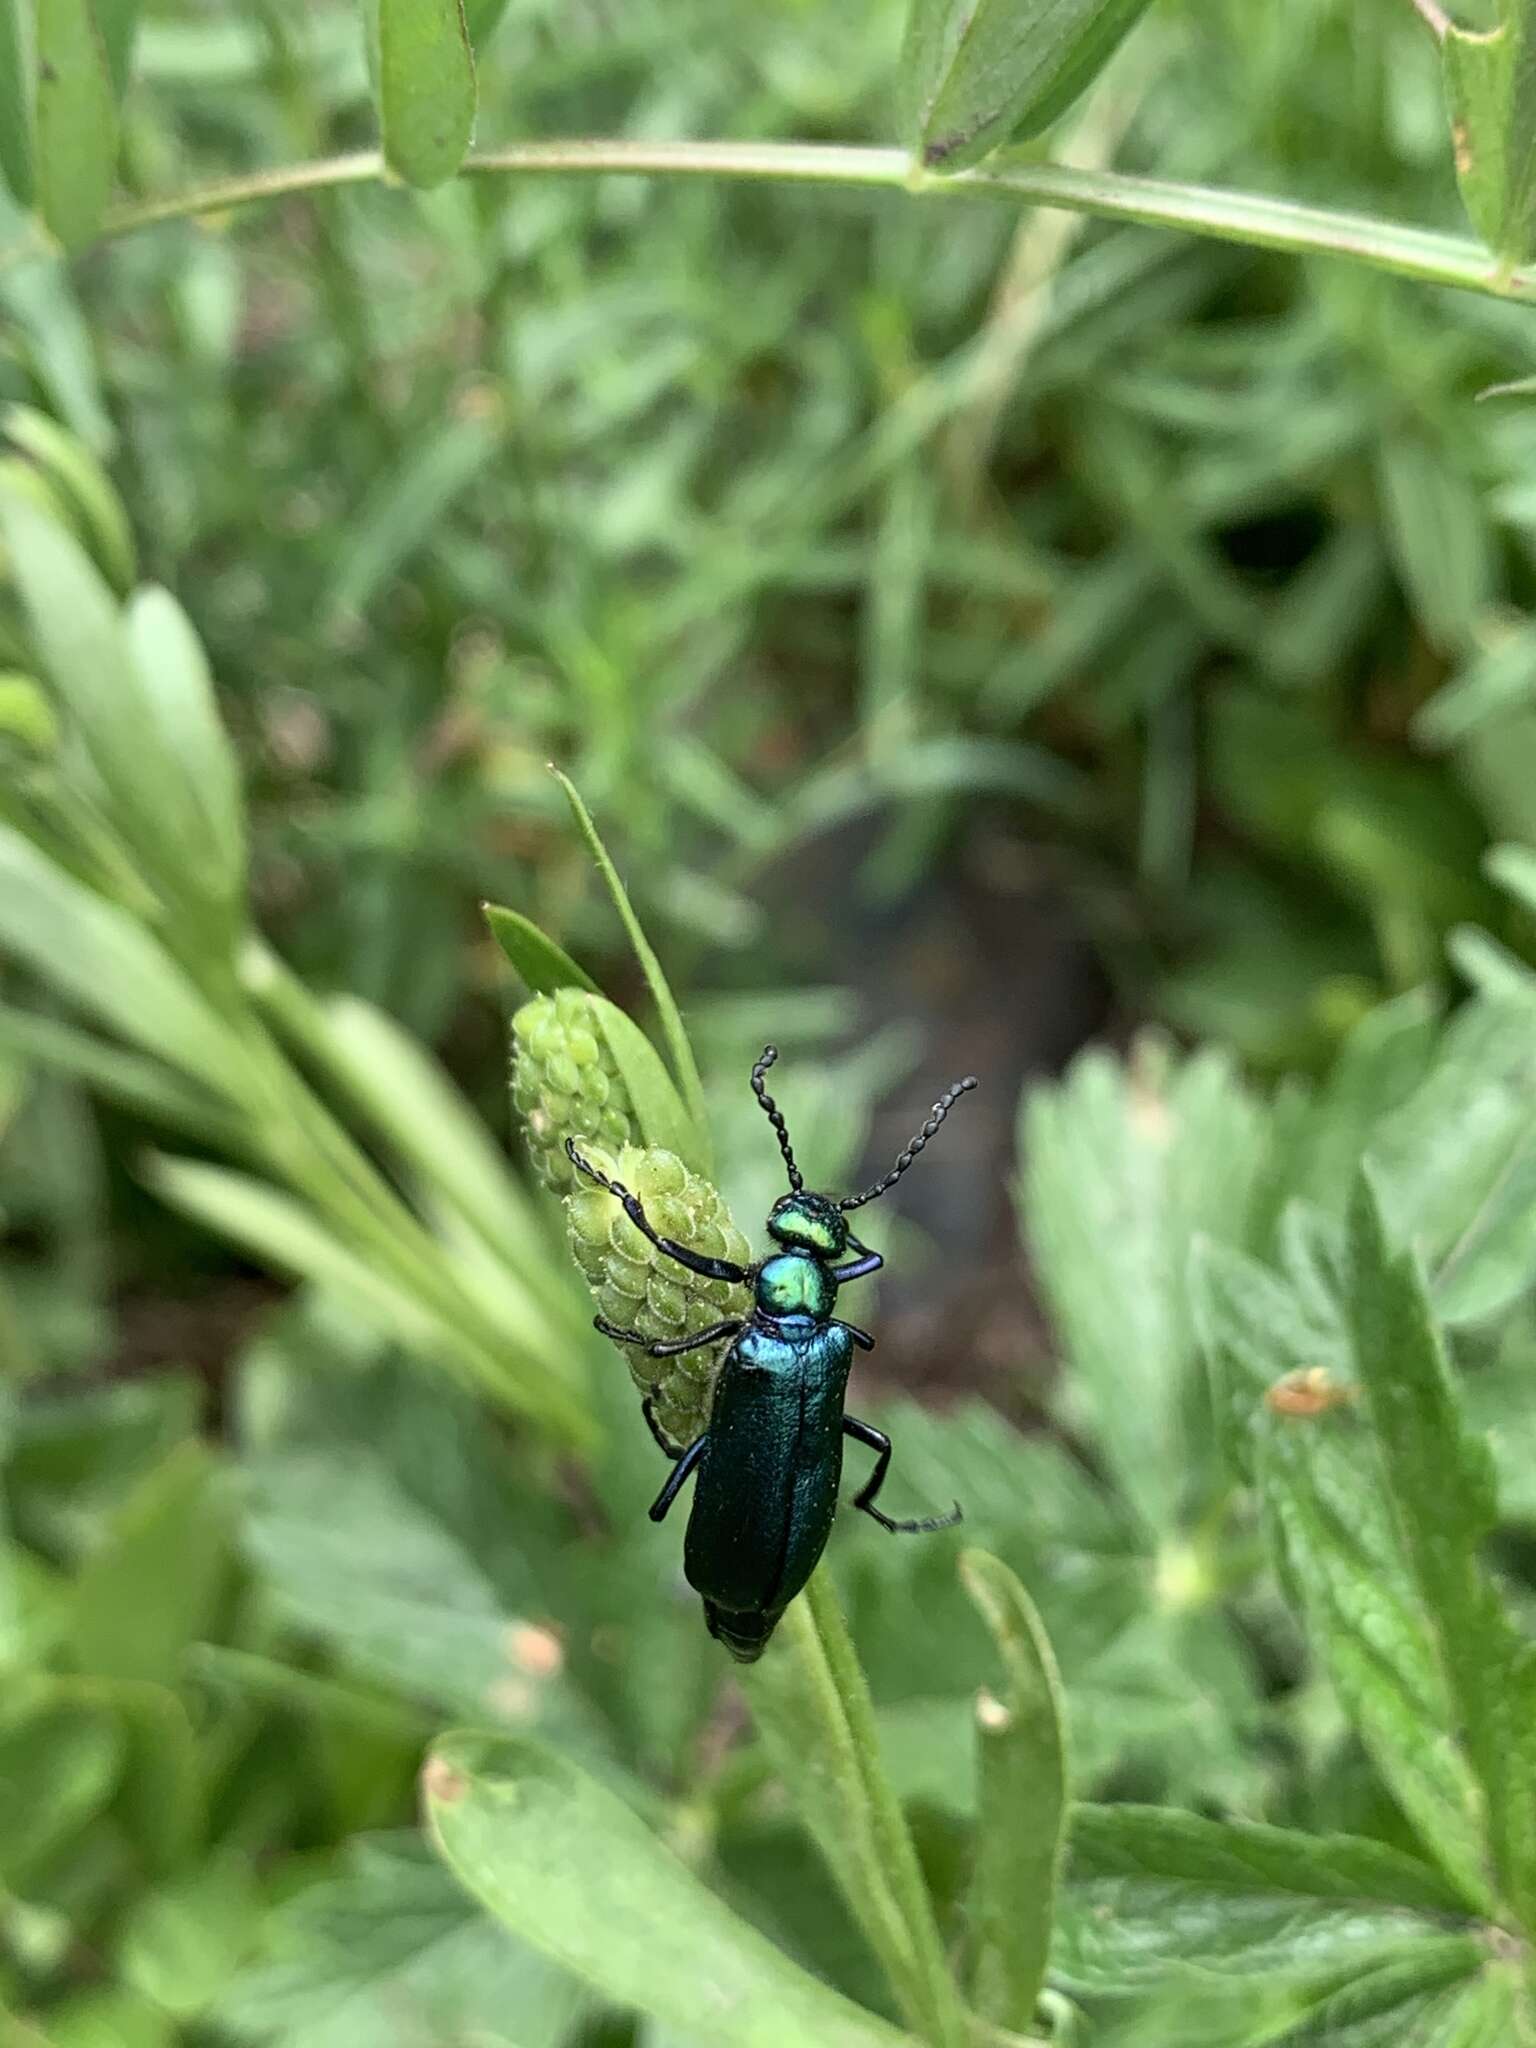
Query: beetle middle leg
(696, 1262)
(686, 1460)
(880, 1444)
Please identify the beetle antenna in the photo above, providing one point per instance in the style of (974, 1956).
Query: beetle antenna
(775, 1116)
(940, 1110)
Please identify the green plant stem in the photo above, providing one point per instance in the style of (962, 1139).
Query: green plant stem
(1244, 217)
(814, 1711)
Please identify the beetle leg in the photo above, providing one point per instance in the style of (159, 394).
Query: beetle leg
(860, 1337)
(696, 1262)
(860, 1269)
(663, 1442)
(685, 1463)
(668, 1347)
(880, 1444)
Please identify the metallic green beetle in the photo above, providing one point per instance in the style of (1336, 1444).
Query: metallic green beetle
(769, 1464)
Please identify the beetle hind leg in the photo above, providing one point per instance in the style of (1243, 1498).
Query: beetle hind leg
(864, 1499)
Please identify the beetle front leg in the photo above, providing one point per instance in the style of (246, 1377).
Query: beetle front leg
(696, 1262)
(880, 1444)
(675, 1478)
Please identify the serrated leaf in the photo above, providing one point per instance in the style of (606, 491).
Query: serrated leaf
(1124, 1166)
(979, 71)
(542, 964)
(426, 86)
(684, 1066)
(1340, 1551)
(354, 1560)
(1319, 1141)
(567, 1866)
(16, 79)
(1151, 1892)
(1490, 79)
(1456, 1162)
(76, 120)
(1021, 1802)
(1441, 1485)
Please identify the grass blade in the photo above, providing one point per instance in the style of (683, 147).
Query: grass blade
(684, 1065)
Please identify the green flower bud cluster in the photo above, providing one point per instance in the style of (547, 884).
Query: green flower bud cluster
(640, 1288)
(565, 1084)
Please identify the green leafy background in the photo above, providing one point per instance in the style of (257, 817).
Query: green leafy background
(964, 634)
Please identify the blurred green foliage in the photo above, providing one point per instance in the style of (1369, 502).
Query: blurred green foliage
(1201, 575)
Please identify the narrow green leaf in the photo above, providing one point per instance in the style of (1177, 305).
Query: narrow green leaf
(152, 1587)
(118, 22)
(16, 86)
(406, 509)
(1020, 1804)
(133, 732)
(176, 680)
(104, 961)
(684, 1066)
(27, 719)
(1490, 79)
(1438, 528)
(58, 343)
(1152, 1893)
(978, 72)
(426, 85)
(1498, 679)
(1514, 869)
(79, 474)
(542, 964)
(76, 120)
(657, 1105)
(291, 1237)
(812, 1706)
(567, 1866)
(142, 1085)
(1443, 1491)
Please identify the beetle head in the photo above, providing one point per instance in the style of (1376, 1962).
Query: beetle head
(811, 1223)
